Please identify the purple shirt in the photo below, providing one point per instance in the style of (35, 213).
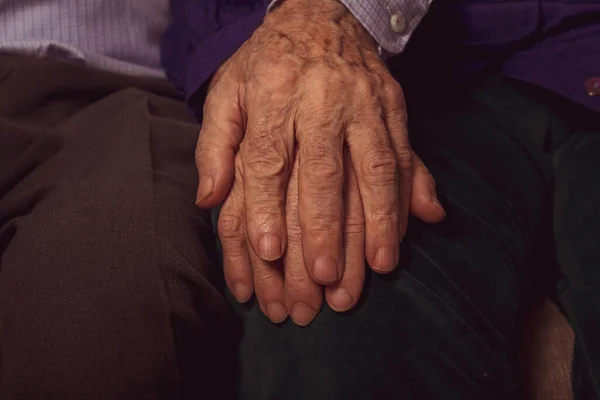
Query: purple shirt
(552, 44)
(202, 36)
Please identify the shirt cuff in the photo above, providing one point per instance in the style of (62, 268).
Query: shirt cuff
(390, 22)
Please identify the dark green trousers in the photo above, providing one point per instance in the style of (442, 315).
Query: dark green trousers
(517, 169)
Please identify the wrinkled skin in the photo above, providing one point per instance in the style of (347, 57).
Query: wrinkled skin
(304, 139)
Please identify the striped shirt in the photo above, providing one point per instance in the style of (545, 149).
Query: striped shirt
(390, 22)
(121, 36)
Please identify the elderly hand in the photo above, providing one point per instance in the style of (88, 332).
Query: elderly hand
(310, 80)
(288, 288)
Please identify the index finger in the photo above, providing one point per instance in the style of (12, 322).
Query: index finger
(219, 138)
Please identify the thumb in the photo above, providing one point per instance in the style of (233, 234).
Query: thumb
(424, 203)
(220, 136)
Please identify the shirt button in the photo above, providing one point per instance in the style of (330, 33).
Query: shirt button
(592, 86)
(398, 23)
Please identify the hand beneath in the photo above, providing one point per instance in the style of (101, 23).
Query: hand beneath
(284, 286)
(310, 80)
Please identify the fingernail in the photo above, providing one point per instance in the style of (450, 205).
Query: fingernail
(205, 189)
(386, 259)
(276, 312)
(241, 292)
(340, 300)
(269, 247)
(436, 202)
(302, 314)
(325, 270)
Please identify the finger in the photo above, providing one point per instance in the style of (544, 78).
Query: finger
(343, 295)
(269, 287)
(376, 166)
(304, 297)
(321, 181)
(424, 203)
(221, 133)
(396, 123)
(232, 234)
(266, 159)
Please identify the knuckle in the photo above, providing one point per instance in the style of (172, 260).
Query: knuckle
(364, 85)
(269, 168)
(295, 271)
(263, 159)
(321, 167)
(294, 233)
(396, 104)
(235, 268)
(354, 228)
(322, 172)
(230, 226)
(335, 76)
(322, 75)
(353, 241)
(378, 80)
(405, 158)
(354, 224)
(297, 286)
(393, 90)
(379, 167)
(263, 215)
(266, 284)
(385, 217)
(294, 281)
(398, 120)
(321, 89)
(276, 73)
(324, 232)
(257, 145)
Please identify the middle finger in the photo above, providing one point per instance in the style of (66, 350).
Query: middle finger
(321, 208)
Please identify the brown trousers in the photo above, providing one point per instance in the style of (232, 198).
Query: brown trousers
(107, 287)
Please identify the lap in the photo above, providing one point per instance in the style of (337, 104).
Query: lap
(107, 287)
(576, 231)
(445, 324)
